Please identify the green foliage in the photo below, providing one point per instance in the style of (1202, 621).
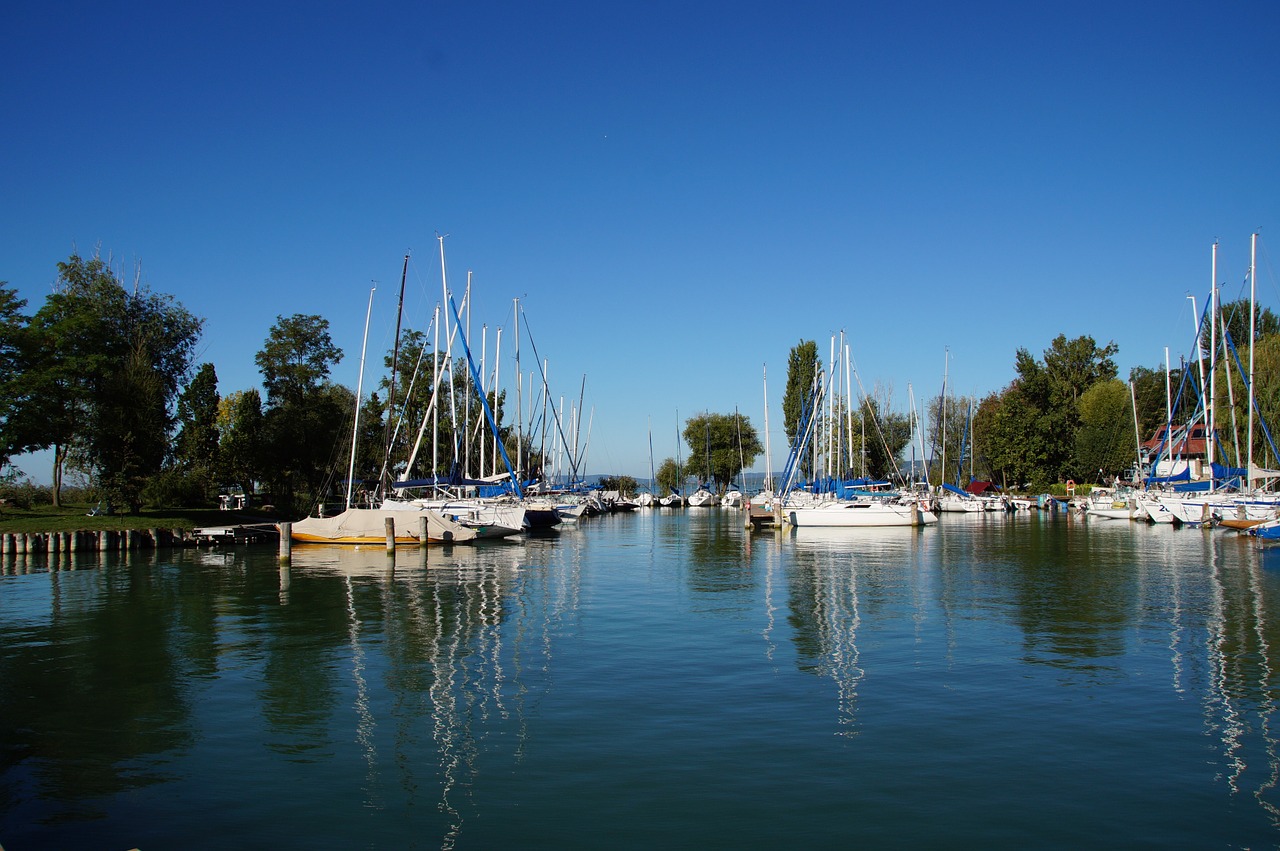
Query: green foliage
(1105, 443)
(1029, 431)
(887, 435)
(1235, 318)
(105, 365)
(624, 485)
(948, 420)
(720, 446)
(1233, 430)
(240, 439)
(670, 476)
(178, 488)
(296, 358)
(17, 434)
(196, 447)
(802, 371)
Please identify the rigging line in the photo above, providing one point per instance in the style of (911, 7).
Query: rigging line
(541, 371)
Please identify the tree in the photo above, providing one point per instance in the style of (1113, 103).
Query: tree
(1105, 444)
(240, 438)
(1029, 434)
(196, 446)
(625, 485)
(105, 369)
(670, 475)
(720, 446)
(1073, 366)
(948, 419)
(887, 435)
(306, 426)
(296, 358)
(802, 372)
(18, 433)
(1235, 318)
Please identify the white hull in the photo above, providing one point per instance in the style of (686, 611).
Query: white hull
(859, 514)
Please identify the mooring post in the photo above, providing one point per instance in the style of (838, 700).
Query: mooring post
(286, 541)
(391, 535)
(422, 530)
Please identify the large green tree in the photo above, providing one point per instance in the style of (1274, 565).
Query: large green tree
(803, 370)
(1029, 436)
(720, 446)
(106, 366)
(670, 476)
(1105, 443)
(18, 434)
(296, 358)
(307, 421)
(240, 439)
(196, 447)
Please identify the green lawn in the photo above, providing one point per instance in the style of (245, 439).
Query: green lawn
(76, 517)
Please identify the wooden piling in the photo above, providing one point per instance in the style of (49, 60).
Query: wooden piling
(286, 541)
(391, 535)
(422, 531)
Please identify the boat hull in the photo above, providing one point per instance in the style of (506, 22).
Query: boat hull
(855, 514)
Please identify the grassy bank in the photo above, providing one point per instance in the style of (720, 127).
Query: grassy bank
(76, 517)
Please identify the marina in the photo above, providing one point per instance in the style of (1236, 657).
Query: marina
(651, 678)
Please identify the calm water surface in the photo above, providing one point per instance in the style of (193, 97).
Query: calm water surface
(648, 680)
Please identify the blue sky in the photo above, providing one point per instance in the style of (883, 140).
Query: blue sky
(678, 193)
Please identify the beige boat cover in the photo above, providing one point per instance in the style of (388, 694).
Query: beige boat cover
(368, 526)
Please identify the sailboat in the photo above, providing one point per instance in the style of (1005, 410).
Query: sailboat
(417, 525)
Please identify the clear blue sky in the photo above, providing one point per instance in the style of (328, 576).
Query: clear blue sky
(678, 192)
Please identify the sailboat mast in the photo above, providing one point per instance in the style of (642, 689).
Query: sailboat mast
(391, 389)
(1137, 435)
(768, 461)
(1211, 412)
(1253, 294)
(497, 366)
(515, 310)
(355, 426)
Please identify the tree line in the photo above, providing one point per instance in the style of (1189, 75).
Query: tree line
(104, 376)
(1066, 415)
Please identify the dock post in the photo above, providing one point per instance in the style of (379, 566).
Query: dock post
(104, 540)
(20, 544)
(422, 531)
(286, 541)
(391, 535)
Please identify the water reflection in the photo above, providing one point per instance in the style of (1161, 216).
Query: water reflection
(406, 661)
(836, 573)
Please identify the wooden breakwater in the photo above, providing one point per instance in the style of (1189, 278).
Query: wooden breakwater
(101, 540)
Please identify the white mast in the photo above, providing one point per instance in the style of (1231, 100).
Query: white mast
(1137, 436)
(515, 310)
(1210, 412)
(497, 365)
(848, 403)
(355, 427)
(768, 461)
(1253, 293)
(1168, 409)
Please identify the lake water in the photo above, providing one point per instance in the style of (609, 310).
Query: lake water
(651, 680)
